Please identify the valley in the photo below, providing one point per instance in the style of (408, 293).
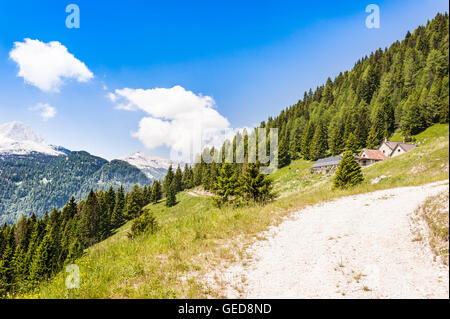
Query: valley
(36, 177)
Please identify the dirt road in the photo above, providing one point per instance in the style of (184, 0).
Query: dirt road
(354, 247)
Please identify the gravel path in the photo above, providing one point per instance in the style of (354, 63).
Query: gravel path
(353, 247)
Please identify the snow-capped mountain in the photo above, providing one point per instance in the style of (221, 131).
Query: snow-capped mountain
(36, 176)
(17, 138)
(152, 166)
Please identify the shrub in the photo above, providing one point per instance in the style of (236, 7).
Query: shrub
(144, 224)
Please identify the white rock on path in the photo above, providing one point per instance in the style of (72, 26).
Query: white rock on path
(353, 247)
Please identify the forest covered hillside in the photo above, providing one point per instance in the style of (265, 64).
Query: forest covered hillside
(35, 183)
(402, 89)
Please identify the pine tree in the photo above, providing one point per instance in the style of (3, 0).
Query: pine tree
(90, 220)
(117, 218)
(148, 194)
(20, 269)
(432, 103)
(369, 83)
(214, 168)
(22, 233)
(226, 186)
(75, 251)
(444, 101)
(104, 217)
(3, 231)
(199, 170)
(168, 179)
(378, 130)
(36, 238)
(6, 270)
(110, 199)
(177, 179)
(134, 204)
(362, 124)
(66, 239)
(171, 199)
(284, 158)
(144, 224)
(319, 143)
(145, 196)
(186, 181)
(70, 209)
(306, 140)
(336, 141)
(43, 264)
(295, 138)
(206, 177)
(413, 120)
(156, 192)
(348, 172)
(255, 187)
(351, 144)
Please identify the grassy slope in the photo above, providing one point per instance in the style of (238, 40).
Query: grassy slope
(195, 235)
(435, 213)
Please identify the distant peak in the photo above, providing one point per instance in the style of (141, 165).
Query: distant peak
(144, 160)
(20, 132)
(19, 138)
(145, 155)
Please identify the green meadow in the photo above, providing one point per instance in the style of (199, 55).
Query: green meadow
(195, 236)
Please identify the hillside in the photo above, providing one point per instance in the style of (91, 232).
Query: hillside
(195, 236)
(401, 90)
(39, 182)
(36, 177)
(114, 173)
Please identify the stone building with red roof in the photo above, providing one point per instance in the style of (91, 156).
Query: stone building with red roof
(368, 157)
(386, 149)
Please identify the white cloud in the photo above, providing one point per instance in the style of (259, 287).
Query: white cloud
(45, 110)
(46, 65)
(177, 118)
(111, 97)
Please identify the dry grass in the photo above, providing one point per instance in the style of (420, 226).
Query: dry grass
(435, 212)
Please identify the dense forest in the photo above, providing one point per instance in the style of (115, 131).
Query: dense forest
(35, 249)
(401, 88)
(39, 182)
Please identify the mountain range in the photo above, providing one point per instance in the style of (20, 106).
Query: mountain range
(37, 177)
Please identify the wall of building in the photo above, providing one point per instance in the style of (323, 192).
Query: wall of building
(398, 151)
(385, 149)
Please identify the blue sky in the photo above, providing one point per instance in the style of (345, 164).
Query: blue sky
(253, 58)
